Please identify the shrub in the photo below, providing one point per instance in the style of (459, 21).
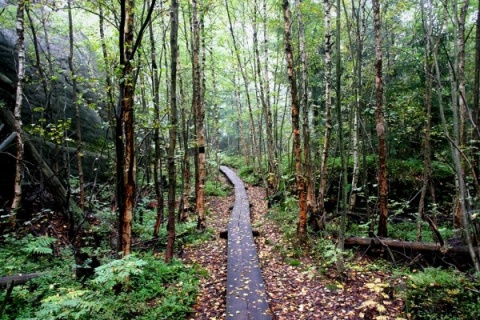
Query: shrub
(133, 287)
(442, 294)
(136, 287)
(216, 189)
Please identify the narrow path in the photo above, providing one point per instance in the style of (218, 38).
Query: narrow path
(246, 298)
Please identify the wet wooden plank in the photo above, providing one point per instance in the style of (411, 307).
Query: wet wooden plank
(246, 298)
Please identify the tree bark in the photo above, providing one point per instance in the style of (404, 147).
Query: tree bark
(157, 162)
(328, 113)
(380, 124)
(295, 107)
(453, 144)
(427, 161)
(476, 100)
(173, 130)
(405, 245)
(17, 125)
(343, 156)
(125, 126)
(125, 134)
(199, 111)
(310, 194)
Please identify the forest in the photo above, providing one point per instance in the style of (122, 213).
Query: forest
(354, 125)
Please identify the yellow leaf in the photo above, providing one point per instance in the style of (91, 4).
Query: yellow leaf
(381, 308)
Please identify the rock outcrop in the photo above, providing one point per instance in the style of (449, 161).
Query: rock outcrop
(54, 107)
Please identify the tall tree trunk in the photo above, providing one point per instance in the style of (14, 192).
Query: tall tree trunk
(476, 101)
(270, 123)
(216, 120)
(302, 215)
(380, 125)
(17, 113)
(186, 177)
(263, 99)
(108, 81)
(343, 156)
(199, 112)
(125, 134)
(157, 162)
(173, 129)
(310, 194)
(125, 126)
(460, 138)
(359, 21)
(76, 106)
(427, 169)
(328, 116)
(238, 102)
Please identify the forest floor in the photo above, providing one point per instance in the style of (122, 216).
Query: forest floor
(296, 289)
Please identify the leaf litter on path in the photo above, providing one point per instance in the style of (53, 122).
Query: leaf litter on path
(299, 291)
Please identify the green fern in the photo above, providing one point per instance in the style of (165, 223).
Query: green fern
(69, 304)
(118, 271)
(40, 245)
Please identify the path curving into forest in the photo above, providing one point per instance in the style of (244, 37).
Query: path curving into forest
(246, 297)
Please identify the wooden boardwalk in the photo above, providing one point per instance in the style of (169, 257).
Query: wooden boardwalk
(246, 298)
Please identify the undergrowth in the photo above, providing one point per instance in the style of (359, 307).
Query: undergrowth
(440, 294)
(140, 286)
(136, 287)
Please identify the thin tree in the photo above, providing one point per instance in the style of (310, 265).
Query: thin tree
(157, 162)
(17, 113)
(263, 98)
(476, 100)
(427, 158)
(343, 156)
(328, 114)
(246, 83)
(76, 107)
(173, 130)
(295, 107)
(359, 21)
(380, 124)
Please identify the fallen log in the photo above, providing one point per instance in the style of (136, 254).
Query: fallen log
(406, 245)
(19, 279)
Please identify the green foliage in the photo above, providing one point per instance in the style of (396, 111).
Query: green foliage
(408, 231)
(231, 161)
(53, 132)
(216, 189)
(39, 245)
(328, 253)
(131, 288)
(285, 216)
(118, 272)
(26, 254)
(442, 294)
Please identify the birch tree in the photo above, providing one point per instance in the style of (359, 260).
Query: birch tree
(17, 112)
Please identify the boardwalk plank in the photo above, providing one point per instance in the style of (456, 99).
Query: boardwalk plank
(246, 298)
